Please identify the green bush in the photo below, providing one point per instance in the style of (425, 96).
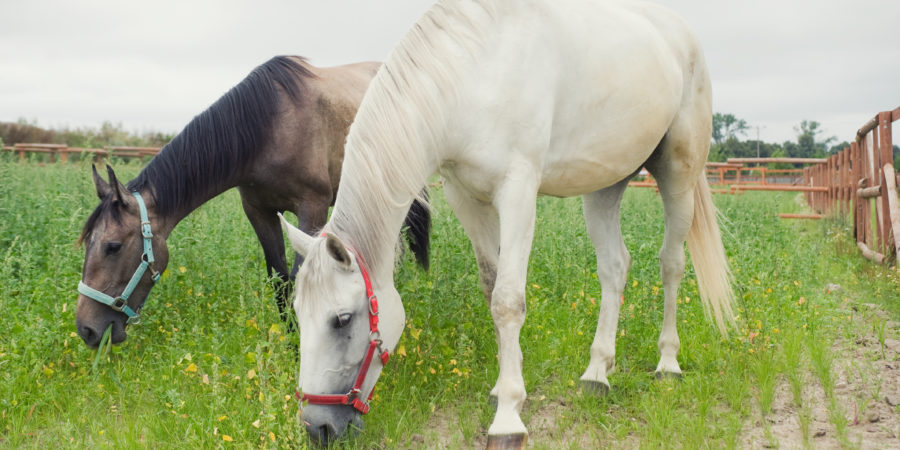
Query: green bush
(108, 134)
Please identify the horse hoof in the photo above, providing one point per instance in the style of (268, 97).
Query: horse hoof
(507, 441)
(597, 388)
(663, 375)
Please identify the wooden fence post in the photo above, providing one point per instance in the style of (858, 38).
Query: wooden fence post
(887, 158)
(854, 179)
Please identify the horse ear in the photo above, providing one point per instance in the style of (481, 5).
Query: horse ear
(337, 251)
(117, 187)
(102, 186)
(300, 241)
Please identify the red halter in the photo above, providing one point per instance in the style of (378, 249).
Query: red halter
(352, 398)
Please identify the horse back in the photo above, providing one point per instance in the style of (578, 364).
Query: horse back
(302, 160)
(583, 90)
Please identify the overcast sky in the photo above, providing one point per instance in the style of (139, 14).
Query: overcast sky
(153, 65)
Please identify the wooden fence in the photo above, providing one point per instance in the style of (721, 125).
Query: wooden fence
(60, 152)
(733, 177)
(861, 180)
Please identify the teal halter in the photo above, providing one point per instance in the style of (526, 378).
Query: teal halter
(120, 303)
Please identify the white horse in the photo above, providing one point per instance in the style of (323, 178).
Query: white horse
(508, 100)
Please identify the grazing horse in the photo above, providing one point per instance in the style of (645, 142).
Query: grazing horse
(508, 100)
(278, 136)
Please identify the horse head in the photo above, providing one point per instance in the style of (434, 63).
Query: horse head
(346, 328)
(123, 258)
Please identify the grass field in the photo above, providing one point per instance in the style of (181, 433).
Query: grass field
(211, 365)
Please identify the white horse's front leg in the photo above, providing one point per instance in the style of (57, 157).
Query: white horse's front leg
(601, 214)
(515, 202)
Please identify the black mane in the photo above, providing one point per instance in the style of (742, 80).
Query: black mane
(217, 143)
(221, 140)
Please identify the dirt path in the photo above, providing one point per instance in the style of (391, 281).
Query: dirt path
(866, 394)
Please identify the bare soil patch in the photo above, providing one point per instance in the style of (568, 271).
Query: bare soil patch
(866, 392)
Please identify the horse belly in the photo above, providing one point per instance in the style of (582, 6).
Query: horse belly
(572, 171)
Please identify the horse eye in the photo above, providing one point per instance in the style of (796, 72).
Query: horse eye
(112, 247)
(342, 320)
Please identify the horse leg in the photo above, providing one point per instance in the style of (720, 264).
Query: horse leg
(481, 224)
(268, 231)
(601, 213)
(515, 200)
(676, 187)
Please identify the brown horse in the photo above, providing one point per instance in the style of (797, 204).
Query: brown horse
(278, 136)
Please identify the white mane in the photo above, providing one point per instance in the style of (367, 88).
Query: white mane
(389, 151)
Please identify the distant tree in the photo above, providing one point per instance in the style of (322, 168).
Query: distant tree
(727, 126)
(24, 131)
(716, 153)
(837, 148)
(809, 142)
(790, 149)
(157, 139)
(733, 148)
(778, 152)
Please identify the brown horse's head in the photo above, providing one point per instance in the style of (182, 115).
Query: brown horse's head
(114, 250)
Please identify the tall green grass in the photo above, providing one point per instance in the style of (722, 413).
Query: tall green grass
(212, 365)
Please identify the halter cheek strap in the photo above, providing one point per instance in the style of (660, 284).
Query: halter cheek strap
(352, 398)
(120, 303)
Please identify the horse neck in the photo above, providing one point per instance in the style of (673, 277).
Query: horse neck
(401, 127)
(180, 206)
(189, 205)
(369, 211)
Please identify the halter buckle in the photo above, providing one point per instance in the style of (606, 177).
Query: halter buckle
(119, 304)
(146, 230)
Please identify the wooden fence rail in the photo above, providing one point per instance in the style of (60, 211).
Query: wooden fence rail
(60, 152)
(861, 181)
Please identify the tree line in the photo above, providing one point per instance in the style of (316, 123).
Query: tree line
(811, 142)
(108, 134)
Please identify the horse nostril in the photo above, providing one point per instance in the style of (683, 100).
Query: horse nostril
(321, 434)
(89, 336)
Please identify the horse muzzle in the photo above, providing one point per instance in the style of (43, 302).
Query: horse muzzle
(98, 319)
(326, 424)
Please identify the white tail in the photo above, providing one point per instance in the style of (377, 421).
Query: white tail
(704, 241)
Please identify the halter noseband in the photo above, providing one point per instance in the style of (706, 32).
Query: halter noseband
(352, 398)
(120, 303)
